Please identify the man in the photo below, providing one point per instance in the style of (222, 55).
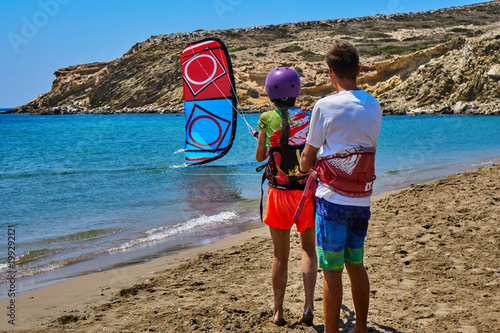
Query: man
(341, 124)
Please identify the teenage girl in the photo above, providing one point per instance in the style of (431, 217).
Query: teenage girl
(281, 138)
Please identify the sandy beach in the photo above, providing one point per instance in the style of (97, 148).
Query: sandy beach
(432, 253)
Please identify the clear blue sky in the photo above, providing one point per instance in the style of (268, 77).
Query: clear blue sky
(37, 37)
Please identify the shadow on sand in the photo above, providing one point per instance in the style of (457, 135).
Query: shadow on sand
(347, 324)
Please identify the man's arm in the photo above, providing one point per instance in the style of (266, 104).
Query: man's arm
(307, 160)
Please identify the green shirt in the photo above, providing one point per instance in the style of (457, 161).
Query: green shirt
(298, 119)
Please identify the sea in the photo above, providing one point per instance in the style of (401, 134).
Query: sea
(86, 193)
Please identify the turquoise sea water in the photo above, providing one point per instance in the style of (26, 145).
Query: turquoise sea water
(91, 192)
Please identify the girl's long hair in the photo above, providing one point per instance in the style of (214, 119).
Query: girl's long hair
(284, 104)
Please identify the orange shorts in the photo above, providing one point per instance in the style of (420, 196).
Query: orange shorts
(281, 206)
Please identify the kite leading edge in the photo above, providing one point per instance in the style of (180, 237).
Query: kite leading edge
(210, 101)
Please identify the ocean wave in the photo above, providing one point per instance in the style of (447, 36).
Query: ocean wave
(70, 172)
(178, 166)
(161, 233)
(30, 271)
(28, 257)
(41, 269)
(179, 151)
(485, 162)
(34, 255)
(81, 236)
(152, 235)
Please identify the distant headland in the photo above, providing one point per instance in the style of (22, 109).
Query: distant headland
(436, 62)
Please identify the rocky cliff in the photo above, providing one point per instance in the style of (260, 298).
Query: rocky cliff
(441, 61)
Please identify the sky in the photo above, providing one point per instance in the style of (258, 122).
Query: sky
(37, 37)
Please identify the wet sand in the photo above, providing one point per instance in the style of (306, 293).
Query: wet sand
(432, 253)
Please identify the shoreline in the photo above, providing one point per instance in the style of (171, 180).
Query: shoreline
(390, 177)
(423, 260)
(46, 303)
(86, 267)
(45, 279)
(464, 109)
(52, 301)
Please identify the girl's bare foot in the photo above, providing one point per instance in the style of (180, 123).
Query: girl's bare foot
(278, 317)
(307, 318)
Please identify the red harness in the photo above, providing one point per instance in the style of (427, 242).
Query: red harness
(350, 173)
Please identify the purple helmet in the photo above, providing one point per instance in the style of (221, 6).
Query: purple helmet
(283, 82)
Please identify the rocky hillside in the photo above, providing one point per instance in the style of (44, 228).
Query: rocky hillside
(440, 61)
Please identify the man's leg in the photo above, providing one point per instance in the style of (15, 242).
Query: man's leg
(330, 240)
(332, 299)
(354, 252)
(360, 286)
(309, 266)
(281, 246)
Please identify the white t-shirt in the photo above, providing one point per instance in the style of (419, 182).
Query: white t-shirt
(345, 120)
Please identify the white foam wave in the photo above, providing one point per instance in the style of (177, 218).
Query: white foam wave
(42, 269)
(179, 151)
(178, 166)
(157, 234)
(47, 268)
(486, 162)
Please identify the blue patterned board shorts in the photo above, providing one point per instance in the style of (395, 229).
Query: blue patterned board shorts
(340, 234)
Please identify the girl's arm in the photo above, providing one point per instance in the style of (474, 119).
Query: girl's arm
(261, 151)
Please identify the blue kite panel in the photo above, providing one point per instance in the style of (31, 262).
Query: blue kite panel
(209, 129)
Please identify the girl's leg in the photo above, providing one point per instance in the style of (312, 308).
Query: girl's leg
(281, 245)
(309, 266)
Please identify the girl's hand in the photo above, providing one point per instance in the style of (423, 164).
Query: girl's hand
(302, 174)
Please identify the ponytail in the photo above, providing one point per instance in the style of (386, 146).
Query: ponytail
(285, 130)
(284, 104)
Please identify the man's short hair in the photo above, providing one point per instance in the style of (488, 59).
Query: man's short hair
(343, 59)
